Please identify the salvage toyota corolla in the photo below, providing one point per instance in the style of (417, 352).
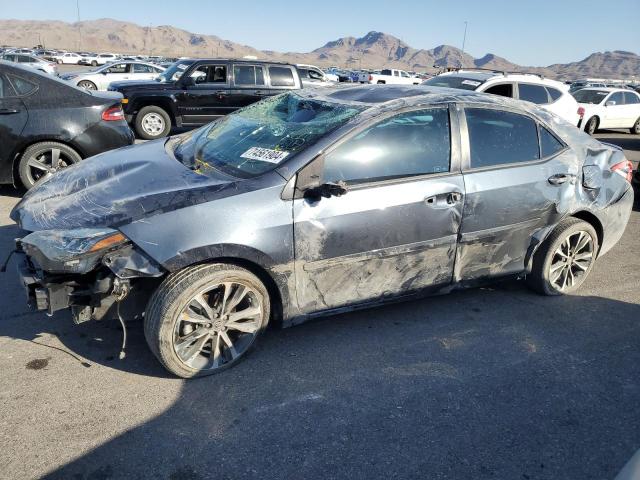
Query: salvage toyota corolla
(314, 202)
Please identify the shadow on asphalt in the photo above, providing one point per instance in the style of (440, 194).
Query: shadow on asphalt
(622, 139)
(487, 383)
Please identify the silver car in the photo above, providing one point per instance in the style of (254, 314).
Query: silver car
(101, 78)
(32, 61)
(318, 201)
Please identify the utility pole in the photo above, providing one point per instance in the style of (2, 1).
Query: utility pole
(464, 38)
(148, 39)
(79, 30)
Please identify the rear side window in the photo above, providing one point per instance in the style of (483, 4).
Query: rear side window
(409, 144)
(497, 137)
(22, 86)
(554, 93)
(533, 93)
(631, 98)
(616, 97)
(281, 77)
(549, 144)
(248, 75)
(140, 68)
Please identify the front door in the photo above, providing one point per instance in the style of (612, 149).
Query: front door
(208, 98)
(517, 182)
(395, 230)
(13, 117)
(614, 111)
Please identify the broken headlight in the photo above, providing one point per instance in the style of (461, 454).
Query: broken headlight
(75, 251)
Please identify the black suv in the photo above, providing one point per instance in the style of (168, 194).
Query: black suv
(193, 92)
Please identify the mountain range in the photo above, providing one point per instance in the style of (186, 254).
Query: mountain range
(374, 50)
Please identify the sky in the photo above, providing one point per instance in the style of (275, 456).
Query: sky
(535, 33)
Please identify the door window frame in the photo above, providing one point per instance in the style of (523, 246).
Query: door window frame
(208, 86)
(466, 144)
(251, 86)
(314, 168)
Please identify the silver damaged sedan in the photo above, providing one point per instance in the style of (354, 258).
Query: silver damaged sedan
(318, 201)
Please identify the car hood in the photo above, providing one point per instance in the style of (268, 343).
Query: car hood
(141, 85)
(118, 187)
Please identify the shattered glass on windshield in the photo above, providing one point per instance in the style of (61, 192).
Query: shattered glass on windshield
(261, 136)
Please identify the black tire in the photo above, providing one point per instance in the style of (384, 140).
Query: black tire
(43, 154)
(94, 63)
(591, 126)
(168, 303)
(636, 127)
(540, 277)
(143, 125)
(381, 82)
(87, 85)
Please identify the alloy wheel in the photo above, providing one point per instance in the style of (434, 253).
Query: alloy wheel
(45, 163)
(87, 85)
(571, 260)
(217, 326)
(153, 124)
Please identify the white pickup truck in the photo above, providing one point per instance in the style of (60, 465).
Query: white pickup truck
(393, 77)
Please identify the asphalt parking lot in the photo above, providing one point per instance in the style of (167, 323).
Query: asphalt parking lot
(488, 383)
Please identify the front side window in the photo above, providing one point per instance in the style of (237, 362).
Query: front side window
(616, 97)
(258, 138)
(315, 75)
(497, 137)
(248, 75)
(409, 144)
(281, 77)
(502, 89)
(404, 74)
(210, 74)
(533, 93)
(119, 68)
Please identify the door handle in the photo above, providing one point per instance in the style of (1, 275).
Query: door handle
(560, 178)
(8, 111)
(260, 92)
(443, 200)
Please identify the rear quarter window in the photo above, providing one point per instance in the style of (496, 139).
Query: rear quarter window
(533, 93)
(554, 93)
(21, 86)
(281, 77)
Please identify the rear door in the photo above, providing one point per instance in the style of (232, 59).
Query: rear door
(503, 89)
(209, 98)
(13, 118)
(517, 176)
(632, 108)
(395, 230)
(141, 71)
(248, 85)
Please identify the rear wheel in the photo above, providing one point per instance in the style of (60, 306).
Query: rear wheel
(152, 122)
(591, 126)
(94, 63)
(206, 318)
(87, 84)
(565, 259)
(636, 127)
(41, 160)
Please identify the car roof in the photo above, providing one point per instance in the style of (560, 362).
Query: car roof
(491, 75)
(235, 60)
(607, 89)
(377, 96)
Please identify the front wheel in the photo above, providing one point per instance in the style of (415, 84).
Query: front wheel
(565, 258)
(206, 318)
(152, 122)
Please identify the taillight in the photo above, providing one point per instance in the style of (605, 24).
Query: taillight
(624, 169)
(370, 77)
(581, 112)
(113, 114)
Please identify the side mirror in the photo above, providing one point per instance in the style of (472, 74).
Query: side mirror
(610, 103)
(188, 82)
(326, 190)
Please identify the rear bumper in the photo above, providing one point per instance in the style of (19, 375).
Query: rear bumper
(614, 220)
